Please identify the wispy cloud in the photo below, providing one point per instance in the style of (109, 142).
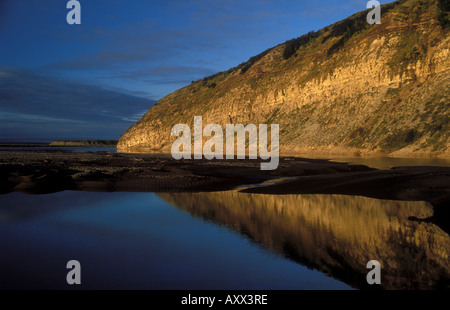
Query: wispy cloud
(32, 100)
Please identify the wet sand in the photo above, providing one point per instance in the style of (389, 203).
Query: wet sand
(44, 171)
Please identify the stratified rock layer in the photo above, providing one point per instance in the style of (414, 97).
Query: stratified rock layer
(351, 88)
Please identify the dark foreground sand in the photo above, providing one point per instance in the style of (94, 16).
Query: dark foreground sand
(38, 172)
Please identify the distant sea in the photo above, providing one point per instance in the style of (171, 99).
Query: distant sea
(68, 149)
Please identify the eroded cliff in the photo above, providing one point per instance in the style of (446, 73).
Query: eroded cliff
(348, 88)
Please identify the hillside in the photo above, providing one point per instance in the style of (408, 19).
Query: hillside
(349, 88)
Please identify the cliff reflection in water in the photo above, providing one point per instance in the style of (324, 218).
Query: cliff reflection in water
(335, 234)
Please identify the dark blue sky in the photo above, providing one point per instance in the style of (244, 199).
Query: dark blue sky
(95, 79)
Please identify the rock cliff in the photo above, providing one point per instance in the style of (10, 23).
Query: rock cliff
(351, 87)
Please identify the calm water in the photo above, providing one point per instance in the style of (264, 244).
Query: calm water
(389, 162)
(70, 149)
(224, 240)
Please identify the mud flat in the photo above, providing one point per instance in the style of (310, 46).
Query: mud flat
(43, 171)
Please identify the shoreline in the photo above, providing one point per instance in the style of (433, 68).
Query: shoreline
(41, 171)
(322, 152)
(44, 172)
(115, 167)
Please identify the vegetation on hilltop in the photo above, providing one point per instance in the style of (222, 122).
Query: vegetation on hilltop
(350, 85)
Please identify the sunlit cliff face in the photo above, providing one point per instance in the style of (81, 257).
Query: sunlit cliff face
(381, 89)
(336, 234)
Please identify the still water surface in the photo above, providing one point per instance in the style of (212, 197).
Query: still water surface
(223, 240)
(389, 162)
(57, 148)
